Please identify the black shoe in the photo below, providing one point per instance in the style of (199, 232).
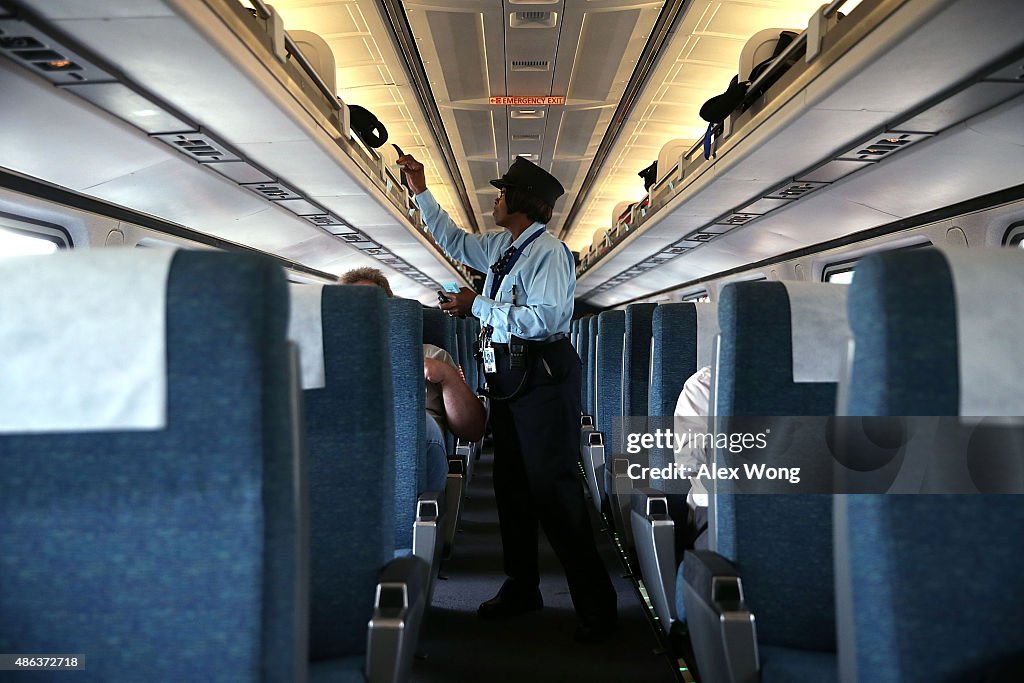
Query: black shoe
(511, 602)
(594, 633)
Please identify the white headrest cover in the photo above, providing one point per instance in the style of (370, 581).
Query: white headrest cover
(707, 331)
(758, 48)
(669, 155)
(987, 285)
(316, 50)
(306, 329)
(82, 341)
(820, 330)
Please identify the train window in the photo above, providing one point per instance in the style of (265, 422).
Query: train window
(838, 274)
(22, 237)
(1015, 235)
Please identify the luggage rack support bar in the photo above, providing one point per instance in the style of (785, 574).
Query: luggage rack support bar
(264, 12)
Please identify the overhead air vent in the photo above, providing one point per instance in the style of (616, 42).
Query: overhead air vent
(325, 220)
(273, 191)
(879, 148)
(737, 219)
(533, 19)
(531, 65)
(200, 147)
(795, 190)
(523, 137)
(50, 59)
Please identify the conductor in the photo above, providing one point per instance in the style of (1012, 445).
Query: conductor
(533, 375)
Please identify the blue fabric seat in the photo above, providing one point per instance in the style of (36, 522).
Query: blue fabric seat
(673, 358)
(636, 360)
(439, 329)
(351, 437)
(411, 473)
(583, 350)
(591, 365)
(780, 544)
(928, 586)
(172, 552)
(607, 331)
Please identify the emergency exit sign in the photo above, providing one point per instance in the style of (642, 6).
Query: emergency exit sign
(525, 101)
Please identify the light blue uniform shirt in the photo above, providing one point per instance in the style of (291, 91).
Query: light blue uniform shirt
(544, 276)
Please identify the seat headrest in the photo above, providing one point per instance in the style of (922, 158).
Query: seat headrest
(990, 321)
(707, 331)
(306, 329)
(83, 341)
(821, 334)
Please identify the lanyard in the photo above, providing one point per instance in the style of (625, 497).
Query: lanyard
(503, 266)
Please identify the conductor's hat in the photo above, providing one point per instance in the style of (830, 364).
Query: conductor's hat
(528, 176)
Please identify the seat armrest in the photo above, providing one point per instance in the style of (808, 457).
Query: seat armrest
(426, 541)
(650, 503)
(428, 506)
(654, 539)
(398, 610)
(455, 488)
(456, 465)
(619, 490)
(722, 627)
(592, 456)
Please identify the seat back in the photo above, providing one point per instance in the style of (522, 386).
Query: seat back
(471, 367)
(907, 314)
(673, 354)
(934, 334)
(462, 333)
(439, 330)
(780, 344)
(682, 341)
(583, 349)
(167, 547)
(591, 363)
(407, 381)
(351, 436)
(636, 360)
(610, 336)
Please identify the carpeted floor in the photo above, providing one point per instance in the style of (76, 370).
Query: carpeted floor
(536, 647)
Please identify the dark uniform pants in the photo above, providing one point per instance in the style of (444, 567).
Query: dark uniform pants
(536, 480)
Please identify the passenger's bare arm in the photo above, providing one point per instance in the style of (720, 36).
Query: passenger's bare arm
(463, 410)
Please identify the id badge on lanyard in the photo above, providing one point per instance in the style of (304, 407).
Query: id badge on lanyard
(490, 364)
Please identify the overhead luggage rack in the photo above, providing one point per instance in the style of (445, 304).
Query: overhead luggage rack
(846, 124)
(229, 90)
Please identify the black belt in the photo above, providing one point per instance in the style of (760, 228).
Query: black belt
(503, 347)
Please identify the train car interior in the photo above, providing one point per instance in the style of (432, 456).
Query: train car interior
(797, 229)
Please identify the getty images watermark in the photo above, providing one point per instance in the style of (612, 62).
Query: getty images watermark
(818, 454)
(697, 444)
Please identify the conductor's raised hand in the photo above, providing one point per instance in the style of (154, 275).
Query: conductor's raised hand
(413, 173)
(461, 303)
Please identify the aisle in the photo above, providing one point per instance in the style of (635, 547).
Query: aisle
(537, 647)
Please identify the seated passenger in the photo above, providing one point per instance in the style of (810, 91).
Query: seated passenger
(449, 400)
(693, 402)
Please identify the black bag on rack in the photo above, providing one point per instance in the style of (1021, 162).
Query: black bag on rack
(650, 175)
(719, 107)
(369, 129)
